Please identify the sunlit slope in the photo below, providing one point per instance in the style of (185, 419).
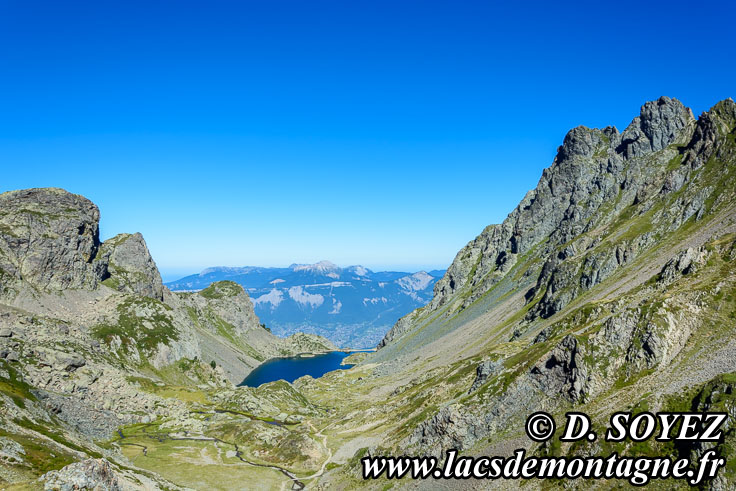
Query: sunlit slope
(610, 287)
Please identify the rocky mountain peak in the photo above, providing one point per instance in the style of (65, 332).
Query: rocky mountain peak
(659, 124)
(130, 267)
(320, 267)
(582, 142)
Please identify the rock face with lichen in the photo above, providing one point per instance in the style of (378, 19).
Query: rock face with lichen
(129, 266)
(49, 239)
(91, 474)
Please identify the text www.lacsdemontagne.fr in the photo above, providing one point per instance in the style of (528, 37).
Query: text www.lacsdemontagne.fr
(636, 470)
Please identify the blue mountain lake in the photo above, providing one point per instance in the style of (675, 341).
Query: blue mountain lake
(290, 369)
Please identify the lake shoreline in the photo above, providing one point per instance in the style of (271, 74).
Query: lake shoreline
(312, 354)
(290, 368)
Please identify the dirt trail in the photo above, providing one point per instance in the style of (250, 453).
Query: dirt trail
(329, 452)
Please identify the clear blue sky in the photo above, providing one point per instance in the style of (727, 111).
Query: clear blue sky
(382, 133)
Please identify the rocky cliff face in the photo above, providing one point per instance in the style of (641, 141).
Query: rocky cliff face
(48, 239)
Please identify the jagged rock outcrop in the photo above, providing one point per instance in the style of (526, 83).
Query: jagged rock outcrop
(658, 125)
(484, 371)
(130, 267)
(564, 371)
(49, 239)
(683, 263)
(449, 428)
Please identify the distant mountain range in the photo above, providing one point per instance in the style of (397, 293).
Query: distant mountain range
(353, 306)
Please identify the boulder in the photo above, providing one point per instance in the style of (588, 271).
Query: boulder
(60, 360)
(92, 474)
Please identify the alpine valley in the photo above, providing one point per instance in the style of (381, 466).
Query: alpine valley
(352, 307)
(610, 287)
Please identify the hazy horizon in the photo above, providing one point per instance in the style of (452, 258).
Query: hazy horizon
(172, 274)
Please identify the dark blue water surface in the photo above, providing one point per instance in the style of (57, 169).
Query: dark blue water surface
(290, 369)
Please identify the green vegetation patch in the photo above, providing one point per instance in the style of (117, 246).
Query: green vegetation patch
(222, 289)
(55, 436)
(39, 456)
(14, 387)
(182, 393)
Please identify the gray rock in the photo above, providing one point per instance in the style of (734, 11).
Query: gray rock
(49, 238)
(683, 263)
(11, 449)
(72, 362)
(60, 360)
(662, 120)
(12, 356)
(484, 371)
(91, 474)
(710, 126)
(449, 428)
(564, 371)
(543, 335)
(130, 267)
(6, 332)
